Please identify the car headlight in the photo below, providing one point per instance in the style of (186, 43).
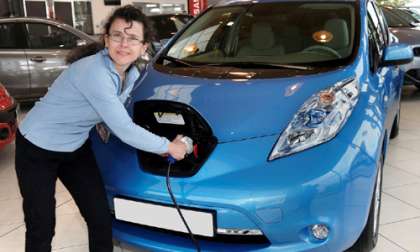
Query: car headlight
(319, 119)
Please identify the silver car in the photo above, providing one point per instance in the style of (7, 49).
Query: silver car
(407, 31)
(32, 53)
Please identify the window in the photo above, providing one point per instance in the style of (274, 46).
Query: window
(374, 49)
(12, 36)
(83, 16)
(377, 29)
(382, 22)
(305, 33)
(43, 36)
(167, 25)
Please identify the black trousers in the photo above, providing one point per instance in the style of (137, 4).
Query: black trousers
(37, 171)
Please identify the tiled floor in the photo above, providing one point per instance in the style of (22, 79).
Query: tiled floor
(400, 217)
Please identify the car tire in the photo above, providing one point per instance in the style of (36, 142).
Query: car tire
(395, 126)
(369, 237)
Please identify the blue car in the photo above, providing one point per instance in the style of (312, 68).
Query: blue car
(290, 106)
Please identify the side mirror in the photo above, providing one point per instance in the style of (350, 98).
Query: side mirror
(81, 42)
(397, 54)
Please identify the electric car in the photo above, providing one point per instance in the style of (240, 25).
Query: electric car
(290, 106)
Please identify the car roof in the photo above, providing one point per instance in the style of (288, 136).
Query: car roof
(170, 15)
(32, 19)
(245, 2)
(46, 21)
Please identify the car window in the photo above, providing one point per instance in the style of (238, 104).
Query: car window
(383, 24)
(12, 36)
(406, 15)
(303, 33)
(166, 26)
(378, 32)
(415, 12)
(393, 19)
(374, 44)
(44, 36)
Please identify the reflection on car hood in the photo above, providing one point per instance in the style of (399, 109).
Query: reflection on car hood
(241, 108)
(407, 35)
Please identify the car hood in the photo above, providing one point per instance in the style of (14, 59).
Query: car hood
(238, 109)
(408, 35)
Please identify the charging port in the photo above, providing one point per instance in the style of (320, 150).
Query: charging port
(166, 118)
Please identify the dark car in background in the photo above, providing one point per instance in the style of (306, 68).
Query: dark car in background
(400, 13)
(32, 53)
(407, 32)
(166, 25)
(7, 117)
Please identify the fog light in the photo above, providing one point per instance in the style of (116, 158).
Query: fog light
(320, 231)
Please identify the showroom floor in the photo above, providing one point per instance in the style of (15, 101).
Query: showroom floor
(400, 217)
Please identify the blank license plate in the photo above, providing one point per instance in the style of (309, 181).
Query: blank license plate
(166, 217)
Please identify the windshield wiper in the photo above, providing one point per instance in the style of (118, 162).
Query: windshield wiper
(261, 65)
(177, 61)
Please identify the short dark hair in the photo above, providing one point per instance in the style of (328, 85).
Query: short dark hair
(128, 13)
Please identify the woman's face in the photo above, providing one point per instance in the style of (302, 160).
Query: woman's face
(125, 42)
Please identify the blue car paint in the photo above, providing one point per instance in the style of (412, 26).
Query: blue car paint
(331, 183)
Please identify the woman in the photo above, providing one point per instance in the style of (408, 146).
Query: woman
(53, 139)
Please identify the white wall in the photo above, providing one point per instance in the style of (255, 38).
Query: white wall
(100, 12)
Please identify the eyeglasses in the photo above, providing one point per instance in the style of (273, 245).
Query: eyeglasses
(119, 38)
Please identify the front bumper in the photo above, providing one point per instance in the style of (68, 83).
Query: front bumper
(7, 125)
(330, 184)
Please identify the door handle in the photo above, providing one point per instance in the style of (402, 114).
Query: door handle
(38, 59)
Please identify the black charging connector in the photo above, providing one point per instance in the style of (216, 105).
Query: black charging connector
(168, 185)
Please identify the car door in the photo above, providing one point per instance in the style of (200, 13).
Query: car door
(48, 47)
(381, 75)
(14, 71)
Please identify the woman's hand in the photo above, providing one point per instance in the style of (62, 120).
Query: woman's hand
(177, 148)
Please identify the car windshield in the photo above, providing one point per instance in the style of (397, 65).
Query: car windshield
(397, 18)
(413, 13)
(290, 33)
(167, 25)
(406, 15)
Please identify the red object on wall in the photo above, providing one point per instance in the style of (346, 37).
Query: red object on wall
(196, 6)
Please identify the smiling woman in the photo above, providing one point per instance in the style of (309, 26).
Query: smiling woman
(125, 43)
(53, 139)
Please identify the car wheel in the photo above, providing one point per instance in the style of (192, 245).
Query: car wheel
(369, 237)
(396, 126)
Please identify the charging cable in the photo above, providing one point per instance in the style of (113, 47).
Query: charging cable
(171, 161)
